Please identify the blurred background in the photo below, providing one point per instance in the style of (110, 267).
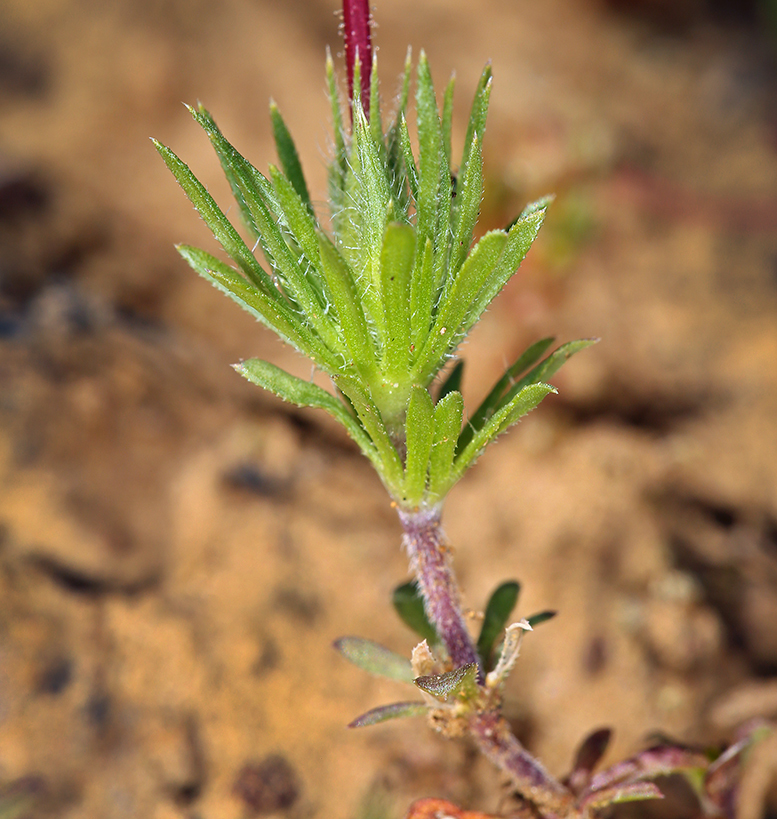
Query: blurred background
(178, 550)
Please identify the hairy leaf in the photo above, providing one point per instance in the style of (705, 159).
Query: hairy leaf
(375, 658)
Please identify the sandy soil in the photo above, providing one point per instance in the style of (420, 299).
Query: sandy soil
(178, 550)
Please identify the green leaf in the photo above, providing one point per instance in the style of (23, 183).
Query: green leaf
(375, 658)
(376, 126)
(459, 682)
(447, 425)
(288, 156)
(390, 466)
(296, 283)
(342, 288)
(383, 713)
(407, 154)
(420, 435)
(497, 613)
(396, 265)
(409, 605)
(431, 155)
(337, 167)
(215, 219)
(456, 302)
(304, 394)
(469, 194)
(421, 295)
(373, 200)
(526, 400)
(547, 368)
(476, 125)
(270, 308)
(519, 240)
(540, 617)
(447, 119)
(491, 401)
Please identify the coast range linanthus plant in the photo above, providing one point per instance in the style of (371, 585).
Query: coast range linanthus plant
(379, 294)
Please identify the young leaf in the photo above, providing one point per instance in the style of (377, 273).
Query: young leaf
(498, 611)
(430, 152)
(304, 394)
(469, 193)
(547, 368)
(420, 435)
(375, 658)
(588, 756)
(491, 401)
(519, 240)
(384, 713)
(214, 218)
(353, 324)
(390, 467)
(288, 156)
(447, 425)
(524, 402)
(396, 265)
(540, 617)
(455, 304)
(270, 308)
(460, 681)
(409, 605)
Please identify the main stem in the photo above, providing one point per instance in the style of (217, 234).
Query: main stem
(431, 562)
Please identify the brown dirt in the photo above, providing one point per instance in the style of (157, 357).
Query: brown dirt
(178, 551)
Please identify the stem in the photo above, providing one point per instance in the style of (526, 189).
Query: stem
(496, 741)
(431, 562)
(358, 43)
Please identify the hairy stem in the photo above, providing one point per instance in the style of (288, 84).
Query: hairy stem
(431, 562)
(493, 736)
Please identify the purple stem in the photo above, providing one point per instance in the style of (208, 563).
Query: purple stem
(495, 739)
(430, 561)
(358, 41)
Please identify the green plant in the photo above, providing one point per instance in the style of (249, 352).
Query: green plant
(379, 296)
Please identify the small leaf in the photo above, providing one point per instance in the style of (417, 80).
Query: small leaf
(304, 394)
(390, 465)
(409, 606)
(649, 764)
(375, 658)
(451, 684)
(589, 754)
(396, 264)
(448, 416)
(526, 400)
(540, 617)
(383, 713)
(269, 307)
(288, 156)
(456, 301)
(495, 617)
(420, 435)
(486, 409)
(356, 336)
